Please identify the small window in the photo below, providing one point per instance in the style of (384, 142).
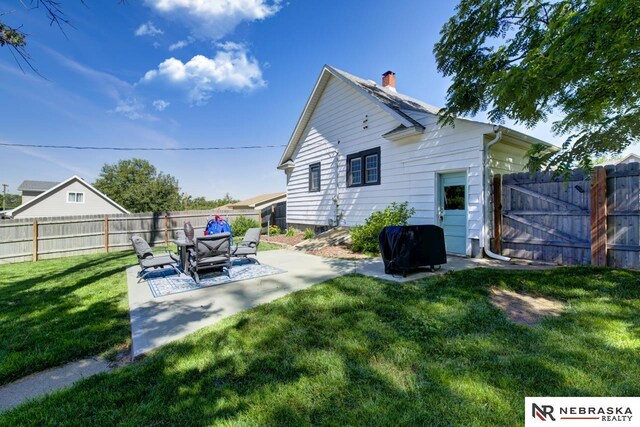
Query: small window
(75, 197)
(314, 177)
(454, 198)
(356, 171)
(371, 168)
(363, 168)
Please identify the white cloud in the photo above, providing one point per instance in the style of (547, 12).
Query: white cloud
(132, 109)
(230, 69)
(148, 29)
(216, 18)
(160, 104)
(181, 43)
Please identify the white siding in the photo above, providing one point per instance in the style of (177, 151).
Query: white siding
(508, 158)
(409, 168)
(55, 204)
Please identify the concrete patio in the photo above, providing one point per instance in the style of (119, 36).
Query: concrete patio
(157, 321)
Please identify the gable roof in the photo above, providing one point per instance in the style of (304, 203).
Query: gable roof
(631, 156)
(30, 185)
(62, 184)
(396, 104)
(258, 200)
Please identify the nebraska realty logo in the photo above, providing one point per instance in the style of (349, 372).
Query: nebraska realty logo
(582, 411)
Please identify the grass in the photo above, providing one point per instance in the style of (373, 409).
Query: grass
(59, 310)
(360, 351)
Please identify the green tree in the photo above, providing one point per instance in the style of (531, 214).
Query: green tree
(13, 200)
(200, 203)
(136, 185)
(523, 60)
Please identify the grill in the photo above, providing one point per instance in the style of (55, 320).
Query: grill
(410, 247)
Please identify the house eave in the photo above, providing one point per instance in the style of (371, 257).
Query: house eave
(403, 132)
(289, 164)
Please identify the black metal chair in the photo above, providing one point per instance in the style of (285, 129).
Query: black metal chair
(148, 261)
(209, 252)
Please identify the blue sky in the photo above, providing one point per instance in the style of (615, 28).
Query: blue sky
(196, 73)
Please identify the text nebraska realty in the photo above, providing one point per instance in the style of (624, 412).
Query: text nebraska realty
(609, 413)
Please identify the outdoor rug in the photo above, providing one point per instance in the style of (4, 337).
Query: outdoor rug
(167, 282)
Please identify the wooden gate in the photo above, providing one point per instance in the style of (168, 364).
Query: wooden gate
(546, 218)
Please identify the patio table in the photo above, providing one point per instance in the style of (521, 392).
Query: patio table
(183, 245)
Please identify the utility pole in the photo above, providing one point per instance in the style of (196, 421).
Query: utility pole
(4, 197)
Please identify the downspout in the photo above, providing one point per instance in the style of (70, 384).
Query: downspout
(486, 186)
(336, 197)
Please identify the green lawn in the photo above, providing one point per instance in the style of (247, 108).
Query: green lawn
(59, 310)
(360, 351)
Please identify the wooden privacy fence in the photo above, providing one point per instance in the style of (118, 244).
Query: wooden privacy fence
(275, 214)
(587, 219)
(55, 237)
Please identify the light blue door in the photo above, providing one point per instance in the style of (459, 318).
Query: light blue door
(452, 211)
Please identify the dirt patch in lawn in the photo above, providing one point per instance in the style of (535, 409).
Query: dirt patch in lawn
(283, 240)
(525, 309)
(342, 251)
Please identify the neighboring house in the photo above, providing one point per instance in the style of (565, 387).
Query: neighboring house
(258, 202)
(358, 146)
(71, 197)
(31, 189)
(272, 208)
(629, 158)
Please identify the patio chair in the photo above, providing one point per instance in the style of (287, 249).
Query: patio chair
(148, 261)
(249, 244)
(213, 251)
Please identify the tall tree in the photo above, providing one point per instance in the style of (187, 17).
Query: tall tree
(136, 185)
(525, 59)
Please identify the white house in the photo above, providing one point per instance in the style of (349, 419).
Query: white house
(629, 158)
(71, 197)
(358, 146)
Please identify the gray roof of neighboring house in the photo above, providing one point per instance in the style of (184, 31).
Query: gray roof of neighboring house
(29, 185)
(258, 200)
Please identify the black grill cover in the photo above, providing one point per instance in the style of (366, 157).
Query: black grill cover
(406, 248)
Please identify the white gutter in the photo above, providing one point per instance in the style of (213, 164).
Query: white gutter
(487, 186)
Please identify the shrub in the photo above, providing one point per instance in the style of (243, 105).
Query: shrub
(309, 234)
(364, 238)
(274, 230)
(290, 232)
(240, 225)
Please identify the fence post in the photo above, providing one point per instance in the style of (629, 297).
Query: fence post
(497, 213)
(166, 229)
(35, 240)
(106, 233)
(599, 217)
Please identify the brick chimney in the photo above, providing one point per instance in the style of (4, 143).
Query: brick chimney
(389, 80)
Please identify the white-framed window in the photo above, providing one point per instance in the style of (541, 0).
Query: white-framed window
(355, 171)
(371, 169)
(75, 197)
